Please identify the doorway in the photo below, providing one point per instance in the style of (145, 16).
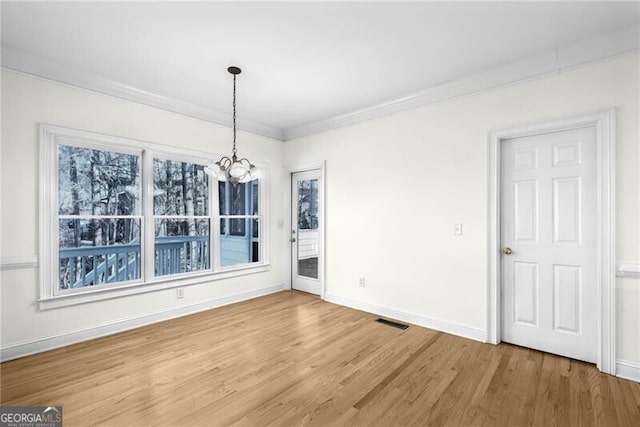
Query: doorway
(307, 231)
(551, 247)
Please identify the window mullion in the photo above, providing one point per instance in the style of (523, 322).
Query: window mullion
(53, 230)
(263, 209)
(214, 211)
(148, 252)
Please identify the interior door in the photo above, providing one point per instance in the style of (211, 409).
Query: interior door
(306, 231)
(549, 241)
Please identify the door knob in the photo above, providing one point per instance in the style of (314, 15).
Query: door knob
(507, 251)
(292, 240)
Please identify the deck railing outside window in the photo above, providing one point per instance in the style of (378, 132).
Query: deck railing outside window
(93, 265)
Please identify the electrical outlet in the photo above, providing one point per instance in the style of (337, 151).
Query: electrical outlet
(180, 293)
(361, 282)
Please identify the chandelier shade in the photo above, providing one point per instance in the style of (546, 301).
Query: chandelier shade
(231, 168)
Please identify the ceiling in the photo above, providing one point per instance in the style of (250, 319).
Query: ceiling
(302, 61)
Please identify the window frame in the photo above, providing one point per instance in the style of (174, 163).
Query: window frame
(150, 216)
(50, 294)
(248, 231)
(55, 216)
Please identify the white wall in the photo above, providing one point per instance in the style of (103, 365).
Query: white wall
(28, 101)
(396, 185)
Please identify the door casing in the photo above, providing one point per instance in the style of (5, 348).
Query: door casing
(603, 121)
(322, 237)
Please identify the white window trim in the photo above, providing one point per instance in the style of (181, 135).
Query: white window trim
(50, 136)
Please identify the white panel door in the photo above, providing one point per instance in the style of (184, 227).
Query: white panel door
(306, 230)
(549, 240)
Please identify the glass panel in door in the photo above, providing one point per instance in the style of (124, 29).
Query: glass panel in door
(308, 233)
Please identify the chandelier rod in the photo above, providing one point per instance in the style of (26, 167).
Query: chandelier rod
(234, 116)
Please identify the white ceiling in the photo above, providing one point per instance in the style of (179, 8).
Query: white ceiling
(302, 62)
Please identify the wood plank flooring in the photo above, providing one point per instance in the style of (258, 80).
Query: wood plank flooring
(291, 359)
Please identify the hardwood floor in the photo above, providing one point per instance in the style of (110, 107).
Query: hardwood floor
(290, 359)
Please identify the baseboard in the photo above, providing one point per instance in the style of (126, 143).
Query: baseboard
(628, 370)
(416, 319)
(38, 345)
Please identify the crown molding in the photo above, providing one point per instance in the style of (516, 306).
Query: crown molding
(549, 62)
(24, 62)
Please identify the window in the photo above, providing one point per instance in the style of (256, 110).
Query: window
(180, 208)
(239, 223)
(128, 216)
(308, 204)
(99, 219)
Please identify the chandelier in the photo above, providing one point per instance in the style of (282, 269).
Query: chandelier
(232, 169)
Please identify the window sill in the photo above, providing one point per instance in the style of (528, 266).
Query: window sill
(98, 294)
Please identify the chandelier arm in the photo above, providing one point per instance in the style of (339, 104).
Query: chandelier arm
(224, 162)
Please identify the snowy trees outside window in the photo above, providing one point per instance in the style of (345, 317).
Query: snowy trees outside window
(118, 213)
(180, 206)
(308, 204)
(98, 217)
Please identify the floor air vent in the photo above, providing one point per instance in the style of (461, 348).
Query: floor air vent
(392, 323)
